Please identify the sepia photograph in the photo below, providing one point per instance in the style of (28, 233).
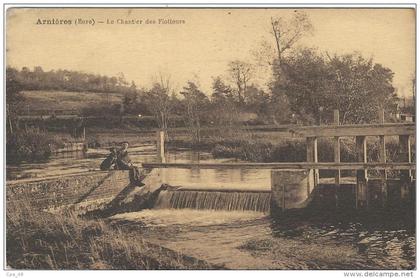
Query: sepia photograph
(210, 138)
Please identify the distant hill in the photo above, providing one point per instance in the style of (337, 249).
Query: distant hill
(45, 102)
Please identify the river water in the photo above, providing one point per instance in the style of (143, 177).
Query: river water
(219, 235)
(71, 163)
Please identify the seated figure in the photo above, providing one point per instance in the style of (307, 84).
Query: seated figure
(109, 161)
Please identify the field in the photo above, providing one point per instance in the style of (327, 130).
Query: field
(38, 101)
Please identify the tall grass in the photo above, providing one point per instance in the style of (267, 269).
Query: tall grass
(40, 240)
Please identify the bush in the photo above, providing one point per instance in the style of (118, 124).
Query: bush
(289, 151)
(94, 142)
(29, 145)
(244, 150)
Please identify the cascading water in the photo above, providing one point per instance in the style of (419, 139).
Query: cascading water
(214, 200)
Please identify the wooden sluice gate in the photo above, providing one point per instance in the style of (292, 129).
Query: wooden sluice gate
(296, 185)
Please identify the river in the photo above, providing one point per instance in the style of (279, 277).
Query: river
(239, 239)
(79, 162)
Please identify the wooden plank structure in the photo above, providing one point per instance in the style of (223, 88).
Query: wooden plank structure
(337, 132)
(288, 165)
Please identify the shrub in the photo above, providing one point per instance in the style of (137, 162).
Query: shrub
(29, 145)
(94, 142)
(289, 151)
(244, 150)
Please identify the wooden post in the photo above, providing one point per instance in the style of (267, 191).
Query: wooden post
(404, 156)
(312, 156)
(382, 159)
(160, 146)
(361, 184)
(337, 156)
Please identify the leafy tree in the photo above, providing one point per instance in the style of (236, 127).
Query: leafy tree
(195, 106)
(257, 101)
(14, 98)
(315, 85)
(303, 78)
(221, 91)
(224, 110)
(360, 88)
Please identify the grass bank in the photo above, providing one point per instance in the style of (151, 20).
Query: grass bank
(40, 240)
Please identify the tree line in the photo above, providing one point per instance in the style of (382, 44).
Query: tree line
(305, 87)
(68, 80)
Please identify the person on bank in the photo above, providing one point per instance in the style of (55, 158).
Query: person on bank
(109, 161)
(123, 161)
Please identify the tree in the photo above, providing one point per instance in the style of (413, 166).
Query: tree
(241, 74)
(316, 85)
(303, 79)
(360, 88)
(221, 91)
(158, 100)
(256, 100)
(195, 104)
(130, 99)
(14, 98)
(224, 110)
(286, 32)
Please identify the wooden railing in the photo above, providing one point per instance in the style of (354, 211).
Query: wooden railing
(360, 132)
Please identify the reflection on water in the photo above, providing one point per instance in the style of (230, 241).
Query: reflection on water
(78, 162)
(257, 179)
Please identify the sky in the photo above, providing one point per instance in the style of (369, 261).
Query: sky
(203, 42)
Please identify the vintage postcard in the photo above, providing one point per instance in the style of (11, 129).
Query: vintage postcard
(202, 138)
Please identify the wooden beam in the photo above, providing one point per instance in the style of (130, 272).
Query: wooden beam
(404, 155)
(361, 184)
(160, 145)
(288, 165)
(337, 157)
(355, 130)
(312, 155)
(336, 117)
(382, 159)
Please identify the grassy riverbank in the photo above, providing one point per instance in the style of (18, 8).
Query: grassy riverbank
(40, 240)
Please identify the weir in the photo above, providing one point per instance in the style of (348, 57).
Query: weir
(214, 200)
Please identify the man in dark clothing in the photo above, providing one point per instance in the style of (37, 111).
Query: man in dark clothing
(123, 159)
(124, 163)
(109, 161)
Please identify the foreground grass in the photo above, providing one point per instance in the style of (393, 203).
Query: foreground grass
(40, 240)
